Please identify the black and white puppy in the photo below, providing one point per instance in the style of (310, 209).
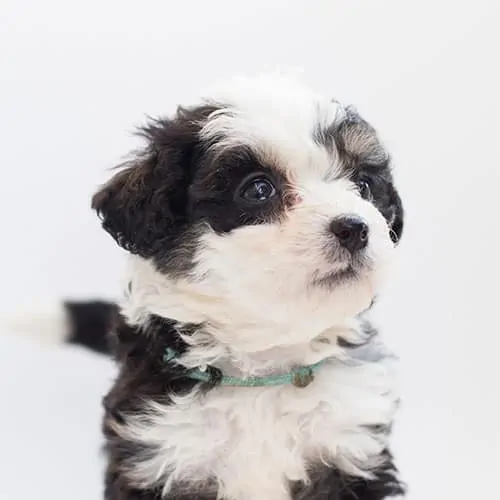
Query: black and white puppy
(260, 225)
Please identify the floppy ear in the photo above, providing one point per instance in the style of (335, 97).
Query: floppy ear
(397, 223)
(144, 203)
(134, 207)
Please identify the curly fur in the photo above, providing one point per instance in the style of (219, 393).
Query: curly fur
(249, 289)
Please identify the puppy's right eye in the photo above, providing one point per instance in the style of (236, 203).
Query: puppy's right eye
(258, 190)
(365, 190)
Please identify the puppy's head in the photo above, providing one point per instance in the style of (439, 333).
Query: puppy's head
(266, 203)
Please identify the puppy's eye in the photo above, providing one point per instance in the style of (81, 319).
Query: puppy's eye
(365, 190)
(258, 190)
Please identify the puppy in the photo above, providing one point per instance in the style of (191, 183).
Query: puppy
(260, 224)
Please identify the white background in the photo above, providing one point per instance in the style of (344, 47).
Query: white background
(75, 77)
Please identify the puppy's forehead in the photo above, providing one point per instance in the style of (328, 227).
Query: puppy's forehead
(290, 126)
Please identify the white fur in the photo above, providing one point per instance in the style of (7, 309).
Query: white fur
(255, 440)
(276, 116)
(48, 324)
(259, 281)
(256, 291)
(254, 288)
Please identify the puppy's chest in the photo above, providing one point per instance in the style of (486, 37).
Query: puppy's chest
(259, 439)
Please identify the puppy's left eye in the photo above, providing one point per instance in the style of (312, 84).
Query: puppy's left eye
(258, 190)
(365, 190)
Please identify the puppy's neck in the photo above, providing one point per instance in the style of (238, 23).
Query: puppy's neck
(225, 338)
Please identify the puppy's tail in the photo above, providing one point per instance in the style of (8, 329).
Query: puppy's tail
(86, 323)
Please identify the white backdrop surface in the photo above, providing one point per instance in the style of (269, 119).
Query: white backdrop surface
(75, 79)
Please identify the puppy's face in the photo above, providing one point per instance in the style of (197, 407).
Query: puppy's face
(267, 203)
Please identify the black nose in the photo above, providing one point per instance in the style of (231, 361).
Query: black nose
(351, 232)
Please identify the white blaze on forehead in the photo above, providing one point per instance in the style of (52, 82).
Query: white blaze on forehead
(277, 117)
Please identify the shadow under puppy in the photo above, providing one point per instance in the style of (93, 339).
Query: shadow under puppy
(260, 224)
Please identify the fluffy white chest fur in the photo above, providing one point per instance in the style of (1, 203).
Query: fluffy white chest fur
(252, 441)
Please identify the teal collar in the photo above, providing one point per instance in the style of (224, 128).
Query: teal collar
(301, 376)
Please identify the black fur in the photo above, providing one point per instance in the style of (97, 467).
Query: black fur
(144, 375)
(160, 202)
(157, 207)
(327, 483)
(372, 164)
(91, 322)
(145, 206)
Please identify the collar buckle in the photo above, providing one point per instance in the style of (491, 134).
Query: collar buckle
(303, 377)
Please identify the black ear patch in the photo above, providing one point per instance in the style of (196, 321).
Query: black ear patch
(143, 206)
(134, 205)
(397, 222)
